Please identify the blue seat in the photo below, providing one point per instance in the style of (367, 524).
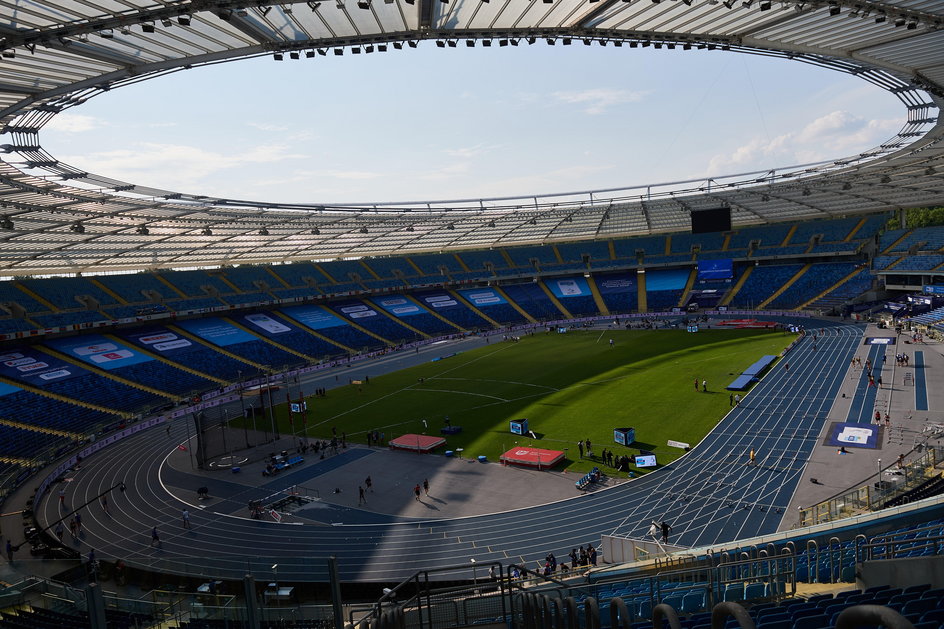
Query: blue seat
(734, 592)
(693, 602)
(923, 587)
(811, 622)
(919, 606)
(804, 613)
(936, 615)
(783, 623)
(755, 590)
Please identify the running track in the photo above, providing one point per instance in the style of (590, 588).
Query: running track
(709, 496)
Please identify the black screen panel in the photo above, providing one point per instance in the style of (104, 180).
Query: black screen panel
(713, 220)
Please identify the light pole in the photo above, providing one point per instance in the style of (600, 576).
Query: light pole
(242, 406)
(275, 569)
(475, 579)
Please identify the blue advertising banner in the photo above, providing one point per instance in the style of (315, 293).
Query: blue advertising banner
(482, 297)
(35, 368)
(934, 289)
(722, 269)
(439, 301)
(216, 331)
(264, 323)
(398, 306)
(355, 310)
(315, 317)
(673, 279)
(610, 284)
(569, 287)
(7, 389)
(97, 350)
(159, 340)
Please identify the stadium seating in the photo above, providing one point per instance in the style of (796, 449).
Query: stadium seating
(619, 291)
(64, 292)
(196, 283)
(236, 299)
(830, 230)
(68, 318)
(768, 235)
(299, 274)
(476, 260)
(198, 303)
(266, 354)
(131, 287)
(599, 251)
(626, 248)
(431, 263)
(201, 358)
(342, 271)
(923, 262)
(762, 282)
(532, 300)
(164, 377)
(10, 293)
(522, 256)
(251, 279)
(46, 412)
(378, 323)
(27, 444)
(451, 309)
(817, 279)
(683, 243)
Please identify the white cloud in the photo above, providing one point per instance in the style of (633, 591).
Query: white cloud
(836, 134)
(266, 126)
(598, 100)
(175, 165)
(468, 152)
(74, 123)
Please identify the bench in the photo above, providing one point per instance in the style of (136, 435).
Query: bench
(588, 479)
(751, 374)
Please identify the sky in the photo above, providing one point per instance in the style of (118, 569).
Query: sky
(469, 123)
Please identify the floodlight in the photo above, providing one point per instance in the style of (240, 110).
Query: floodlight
(183, 20)
(398, 45)
(147, 27)
(363, 230)
(835, 9)
(470, 43)
(411, 44)
(207, 231)
(881, 17)
(381, 47)
(241, 12)
(747, 4)
(670, 46)
(294, 54)
(566, 41)
(687, 3)
(363, 4)
(338, 52)
(617, 43)
(550, 41)
(602, 42)
(764, 198)
(913, 24)
(142, 230)
(440, 43)
(356, 50)
(6, 223)
(277, 56)
(316, 232)
(77, 228)
(223, 14)
(728, 4)
(487, 43)
(530, 40)
(900, 22)
(309, 53)
(452, 43)
(167, 23)
(587, 42)
(107, 33)
(514, 42)
(263, 232)
(369, 48)
(502, 43)
(765, 6)
(657, 45)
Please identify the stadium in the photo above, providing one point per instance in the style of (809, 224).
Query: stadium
(192, 387)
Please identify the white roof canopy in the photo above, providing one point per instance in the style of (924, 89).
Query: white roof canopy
(58, 53)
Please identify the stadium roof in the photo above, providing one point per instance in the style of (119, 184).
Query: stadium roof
(58, 53)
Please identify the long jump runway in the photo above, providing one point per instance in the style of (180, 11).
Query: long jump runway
(710, 496)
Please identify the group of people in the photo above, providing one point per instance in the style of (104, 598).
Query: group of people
(664, 529)
(580, 557)
(585, 445)
(704, 386)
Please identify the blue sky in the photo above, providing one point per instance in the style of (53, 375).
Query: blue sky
(458, 123)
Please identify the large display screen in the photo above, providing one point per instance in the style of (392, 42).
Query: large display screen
(713, 220)
(715, 269)
(646, 460)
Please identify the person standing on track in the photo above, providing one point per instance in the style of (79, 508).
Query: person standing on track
(185, 515)
(416, 492)
(361, 498)
(155, 538)
(752, 457)
(426, 485)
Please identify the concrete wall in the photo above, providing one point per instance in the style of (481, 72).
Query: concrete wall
(901, 572)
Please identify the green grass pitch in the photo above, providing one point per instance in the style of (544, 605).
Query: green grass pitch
(571, 387)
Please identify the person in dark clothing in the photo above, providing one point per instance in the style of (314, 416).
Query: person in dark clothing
(666, 529)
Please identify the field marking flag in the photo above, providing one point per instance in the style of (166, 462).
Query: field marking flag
(288, 402)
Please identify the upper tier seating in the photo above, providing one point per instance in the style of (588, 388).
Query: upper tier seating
(923, 262)
(26, 444)
(342, 271)
(768, 235)
(378, 323)
(626, 248)
(830, 230)
(63, 292)
(203, 359)
(430, 263)
(131, 287)
(192, 283)
(522, 256)
(598, 250)
(476, 260)
(251, 279)
(683, 243)
(390, 268)
(10, 293)
(164, 377)
(299, 274)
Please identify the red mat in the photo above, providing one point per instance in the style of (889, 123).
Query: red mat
(747, 323)
(417, 443)
(532, 457)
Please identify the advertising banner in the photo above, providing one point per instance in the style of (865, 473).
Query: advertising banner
(482, 297)
(315, 317)
(569, 287)
(398, 306)
(216, 331)
(35, 368)
(97, 350)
